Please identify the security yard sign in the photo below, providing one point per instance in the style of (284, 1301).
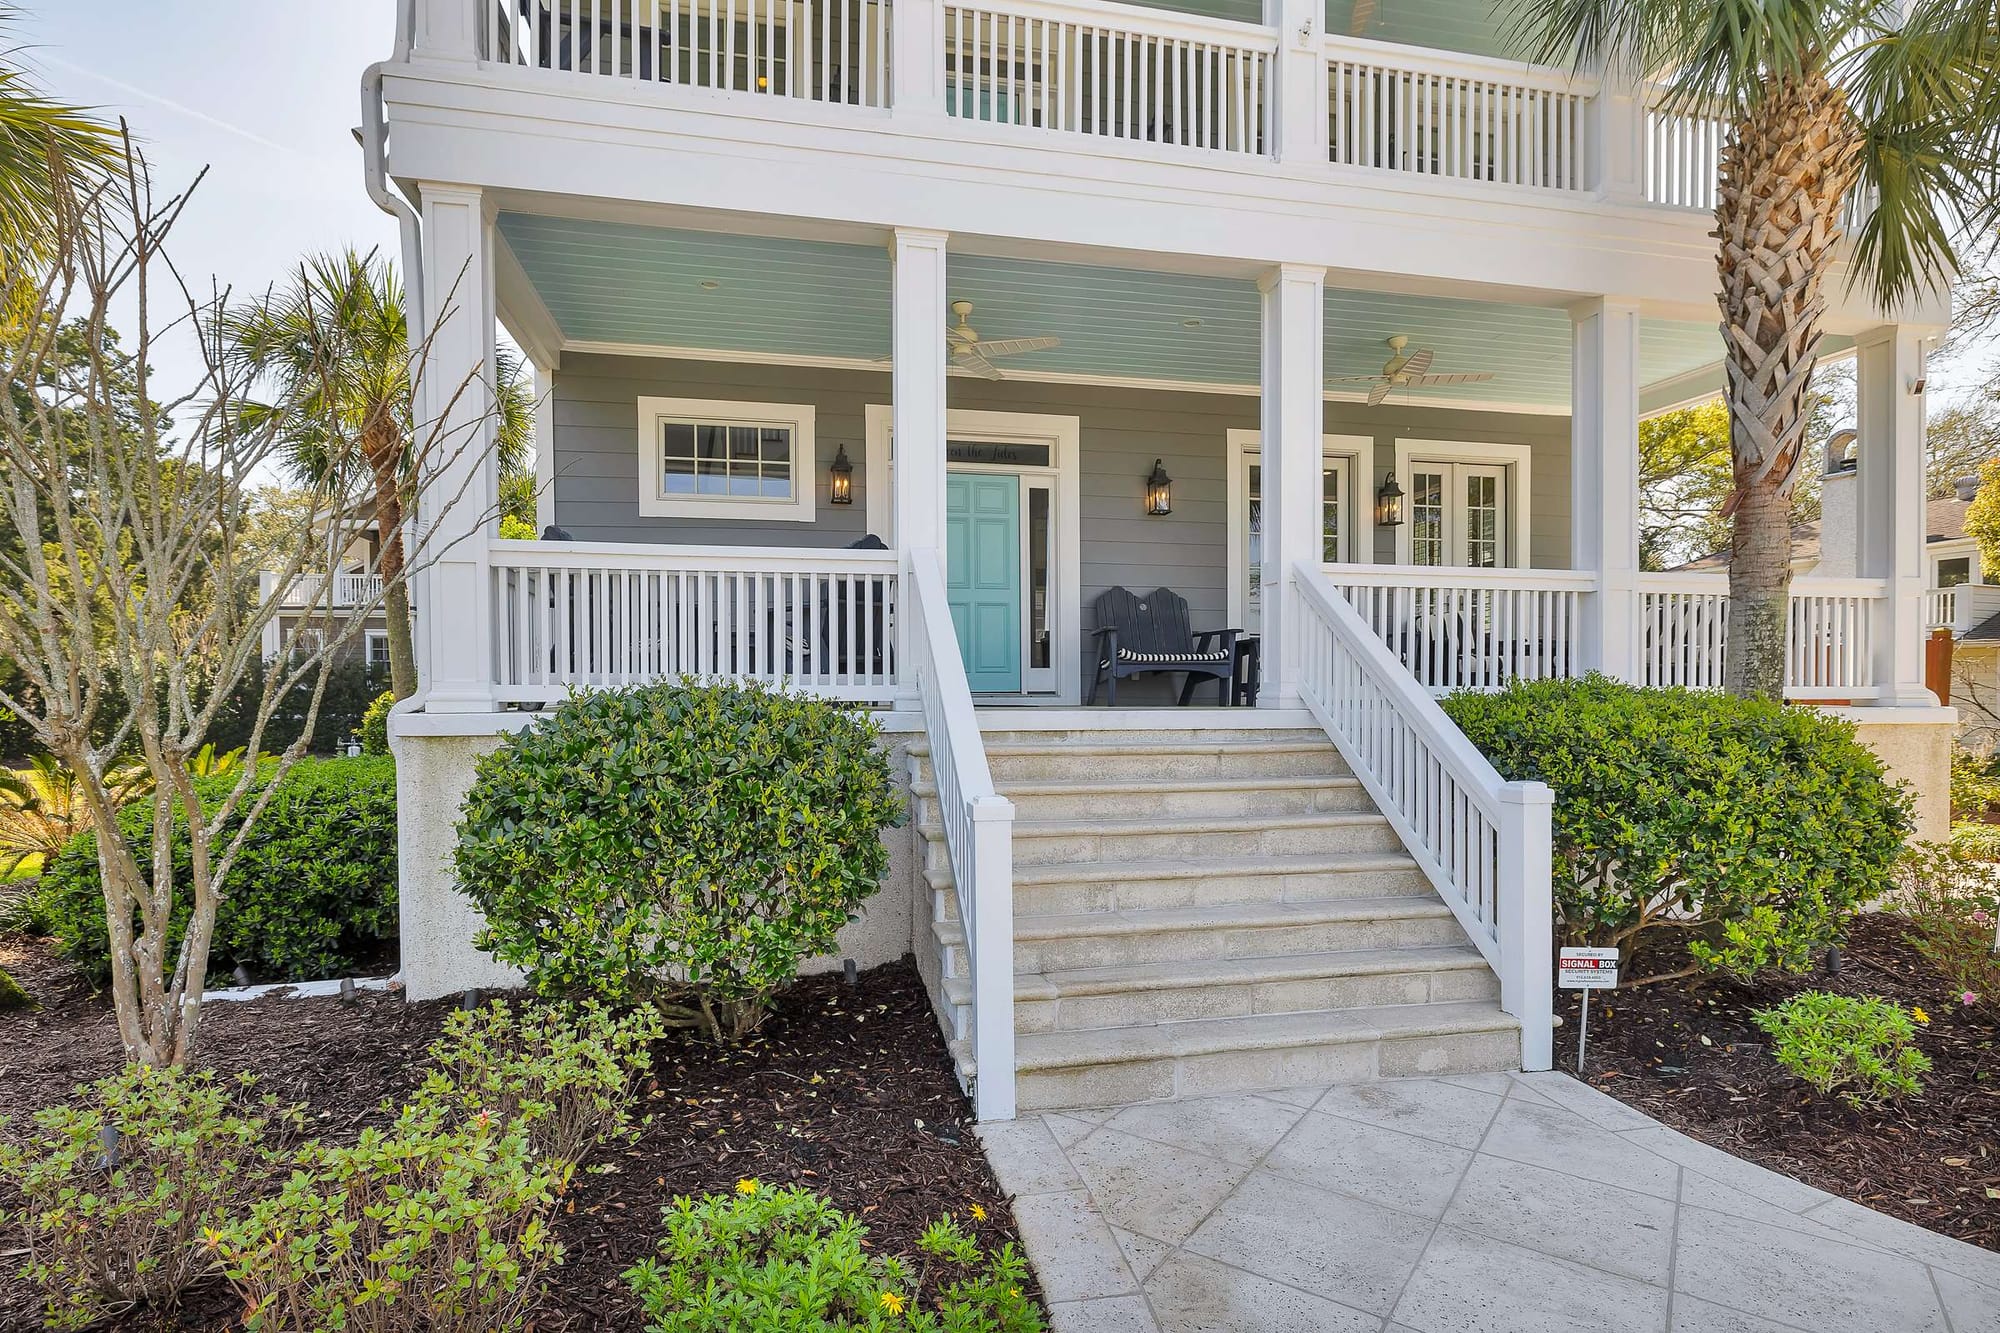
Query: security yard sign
(1586, 970)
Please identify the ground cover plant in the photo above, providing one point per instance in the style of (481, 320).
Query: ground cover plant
(682, 844)
(1862, 1048)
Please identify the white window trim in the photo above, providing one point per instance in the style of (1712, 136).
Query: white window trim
(799, 417)
(1358, 450)
(1516, 458)
(369, 638)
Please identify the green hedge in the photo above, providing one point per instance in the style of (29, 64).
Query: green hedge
(312, 894)
(1752, 828)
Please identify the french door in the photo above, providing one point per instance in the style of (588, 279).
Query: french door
(1459, 515)
(1336, 489)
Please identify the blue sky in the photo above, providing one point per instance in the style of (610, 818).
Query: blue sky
(264, 93)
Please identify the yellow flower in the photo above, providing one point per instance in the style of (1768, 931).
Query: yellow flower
(746, 1187)
(978, 1213)
(891, 1302)
(1921, 1016)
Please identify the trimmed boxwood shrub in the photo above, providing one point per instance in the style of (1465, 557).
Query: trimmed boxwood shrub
(312, 894)
(681, 843)
(1752, 828)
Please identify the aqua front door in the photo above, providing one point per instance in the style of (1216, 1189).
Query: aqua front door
(982, 563)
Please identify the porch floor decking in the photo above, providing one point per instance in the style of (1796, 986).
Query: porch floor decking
(1476, 1203)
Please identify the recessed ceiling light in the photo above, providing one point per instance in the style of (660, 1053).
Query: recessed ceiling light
(1190, 323)
(709, 284)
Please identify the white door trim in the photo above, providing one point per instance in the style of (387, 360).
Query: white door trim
(1359, 450)
(1516, 458)
(1064, 435)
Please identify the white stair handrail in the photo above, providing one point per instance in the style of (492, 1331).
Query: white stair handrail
(1485, 843)
(978, 829)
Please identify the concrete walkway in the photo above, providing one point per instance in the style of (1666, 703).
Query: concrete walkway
(1469, 1204)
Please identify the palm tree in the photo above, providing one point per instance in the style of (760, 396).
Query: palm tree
(1826, 100)
(336, 345)
(40, 140)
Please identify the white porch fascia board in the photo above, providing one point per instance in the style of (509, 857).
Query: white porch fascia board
(593, 347)
(516, 130)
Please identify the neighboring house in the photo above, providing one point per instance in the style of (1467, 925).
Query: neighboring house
(306, 604)
(1339, 324)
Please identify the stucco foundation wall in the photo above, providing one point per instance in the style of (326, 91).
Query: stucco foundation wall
(1916, 750)
(433, 774)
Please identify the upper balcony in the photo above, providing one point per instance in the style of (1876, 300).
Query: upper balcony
(1293, 135)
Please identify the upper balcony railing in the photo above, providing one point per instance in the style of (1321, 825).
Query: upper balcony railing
(1135, 77)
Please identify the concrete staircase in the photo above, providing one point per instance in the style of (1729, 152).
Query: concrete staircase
(1209, 910)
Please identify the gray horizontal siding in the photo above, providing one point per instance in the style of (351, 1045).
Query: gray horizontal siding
(1123, 431)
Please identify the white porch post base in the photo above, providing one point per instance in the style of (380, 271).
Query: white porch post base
(1889, 507)
(916, 410)
(1604, 472)
(455, 434)
(1291, 414)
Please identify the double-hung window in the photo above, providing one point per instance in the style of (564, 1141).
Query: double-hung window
(701, 458)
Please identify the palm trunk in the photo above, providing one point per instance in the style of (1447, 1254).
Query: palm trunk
(382, 445)
(1785, 176)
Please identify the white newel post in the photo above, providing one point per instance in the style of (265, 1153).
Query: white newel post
(1291, 412)
(1617, 139)
(455, 428)
(1889, 506)
(916, 406)
(1604, 479)
(448, 29)
(1298, 81)
(1527, 916)
(916, 57)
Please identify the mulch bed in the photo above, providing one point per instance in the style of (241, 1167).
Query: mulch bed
(1687, 1053)
(847, 1090)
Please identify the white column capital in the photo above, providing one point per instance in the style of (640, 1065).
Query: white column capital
(1277, 274)
(917, 238)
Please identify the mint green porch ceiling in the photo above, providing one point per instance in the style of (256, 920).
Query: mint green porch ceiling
(617, 283)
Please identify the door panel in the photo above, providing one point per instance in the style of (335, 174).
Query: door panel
(983, 576)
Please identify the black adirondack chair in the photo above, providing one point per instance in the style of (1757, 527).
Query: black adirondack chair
(1137, 636)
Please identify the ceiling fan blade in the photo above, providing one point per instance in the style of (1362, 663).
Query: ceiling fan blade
(1451, 377)
(1015, 346)
(1416, 363)
(1357, 379)
(978, 365)
(1379, 392)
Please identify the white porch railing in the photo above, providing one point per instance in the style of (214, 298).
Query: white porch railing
(348, 590)
(1683, 155)
(979, 833)
(1941, 608)
(1484, 843)
(820, 50)
(1471, 629)
(1401, 108)
(1109, 70)
(1829, 648)
(598, 614)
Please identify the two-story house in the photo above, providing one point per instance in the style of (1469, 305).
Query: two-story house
(1335, 321)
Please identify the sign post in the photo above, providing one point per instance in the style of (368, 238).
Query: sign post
(1586, 970)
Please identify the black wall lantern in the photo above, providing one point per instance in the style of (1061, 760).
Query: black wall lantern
(1159, 491)
(840, 479)
(1389, 504)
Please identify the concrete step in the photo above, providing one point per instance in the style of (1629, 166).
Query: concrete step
(1169, 757)
(1057, 943)
(1246, 797)
(1078, 999)
(1121, 1065)
(1082, 841)
(1113, 886)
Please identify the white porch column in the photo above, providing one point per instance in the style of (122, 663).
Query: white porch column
(1292, 414)
(1604, 479)
(455, 432)
(1298, 81)
(916, 57)
(1617, 139)
(1889, 506)
(916, 399)
(448, 29)
(545, 447)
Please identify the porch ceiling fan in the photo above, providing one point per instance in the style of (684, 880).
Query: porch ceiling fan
(1408, 370)
(972, 353)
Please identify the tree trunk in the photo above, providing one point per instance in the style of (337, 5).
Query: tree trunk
(382, 446)
(1785, 177)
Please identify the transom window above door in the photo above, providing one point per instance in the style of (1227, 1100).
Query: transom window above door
(700, 458)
